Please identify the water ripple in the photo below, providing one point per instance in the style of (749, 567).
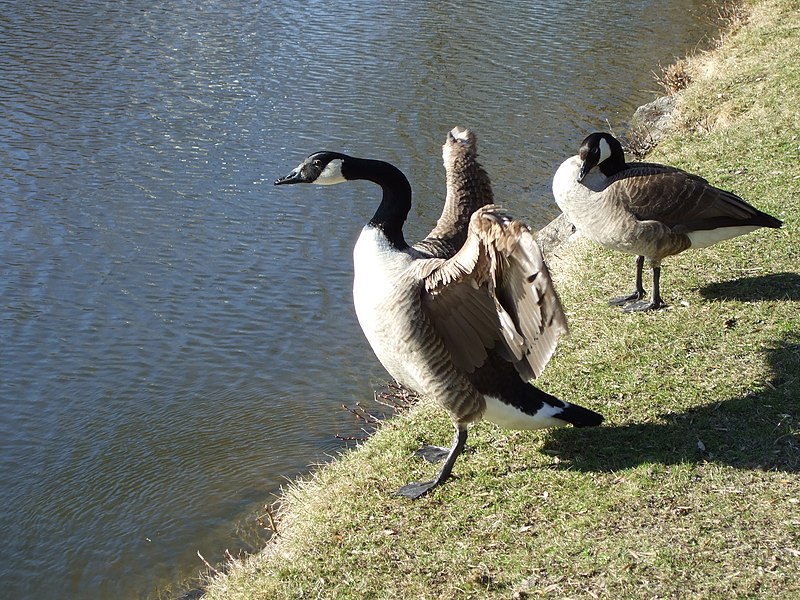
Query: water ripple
(178, 335)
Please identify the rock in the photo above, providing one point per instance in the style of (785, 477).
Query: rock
(649, 124)
(553, 235)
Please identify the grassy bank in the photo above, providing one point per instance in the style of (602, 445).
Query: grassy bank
(691, 487)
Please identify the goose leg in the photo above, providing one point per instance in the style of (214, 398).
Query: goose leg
(638, 293)
(417, 489)
(656, 302)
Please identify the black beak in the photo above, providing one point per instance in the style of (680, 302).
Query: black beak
(295, 176)
(581, 174)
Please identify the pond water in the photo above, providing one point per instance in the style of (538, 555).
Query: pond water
(177, 335)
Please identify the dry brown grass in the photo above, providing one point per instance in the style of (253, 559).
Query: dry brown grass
(674, 77)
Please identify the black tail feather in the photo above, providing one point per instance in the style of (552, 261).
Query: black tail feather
(579, 416)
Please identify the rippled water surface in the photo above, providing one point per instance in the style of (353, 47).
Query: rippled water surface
(177, 335)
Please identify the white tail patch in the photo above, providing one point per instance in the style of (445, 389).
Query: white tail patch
(510, 417)
(708, 237)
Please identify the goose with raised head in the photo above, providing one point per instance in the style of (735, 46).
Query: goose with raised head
(468, 331)
(467, 189)
(646, 209)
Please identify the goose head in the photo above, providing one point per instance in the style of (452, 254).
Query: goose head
(601, 150)
(322, 168)
(460, 138)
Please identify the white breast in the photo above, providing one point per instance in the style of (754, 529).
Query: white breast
(564, 184)
(381, 275)
(378, 267)
(580, 201)
(591, 207)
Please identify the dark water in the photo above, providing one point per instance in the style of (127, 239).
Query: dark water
(176, 335)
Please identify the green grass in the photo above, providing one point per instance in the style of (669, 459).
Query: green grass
(691, 487)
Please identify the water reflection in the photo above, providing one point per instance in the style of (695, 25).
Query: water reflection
(177, 337)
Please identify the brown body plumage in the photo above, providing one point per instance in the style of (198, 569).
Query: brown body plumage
(467, 188)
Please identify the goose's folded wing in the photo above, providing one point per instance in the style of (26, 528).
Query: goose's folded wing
(679, 199)
(495, 293)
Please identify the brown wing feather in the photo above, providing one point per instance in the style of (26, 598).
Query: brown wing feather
(495, 294)
(685, 202)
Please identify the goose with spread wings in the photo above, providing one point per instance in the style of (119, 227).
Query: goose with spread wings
(467, 327)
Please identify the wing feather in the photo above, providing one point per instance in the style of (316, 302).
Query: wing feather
(685, 202)
(495, 294)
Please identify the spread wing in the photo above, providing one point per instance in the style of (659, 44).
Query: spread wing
(683, 201)
(495, 293)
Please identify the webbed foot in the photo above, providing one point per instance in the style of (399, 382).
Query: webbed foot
(432, 454)
(643, 306)
(622, 300)
(417, 489)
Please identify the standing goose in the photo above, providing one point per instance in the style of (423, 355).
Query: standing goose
(646, 209)
(468, 331)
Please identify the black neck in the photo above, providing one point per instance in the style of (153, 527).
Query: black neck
(612, 166)
(396, 202)
(616, 162)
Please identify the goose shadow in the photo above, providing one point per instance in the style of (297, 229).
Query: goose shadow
(759, 430)
(776, 286)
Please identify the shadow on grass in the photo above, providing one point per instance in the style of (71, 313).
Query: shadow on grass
(776, 286)
(760, 430)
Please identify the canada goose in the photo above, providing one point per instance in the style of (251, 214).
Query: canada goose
(646, 209)
(468, 331)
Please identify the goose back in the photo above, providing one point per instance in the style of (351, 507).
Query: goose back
(681, 200)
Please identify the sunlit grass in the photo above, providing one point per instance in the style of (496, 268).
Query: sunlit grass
(690, 489)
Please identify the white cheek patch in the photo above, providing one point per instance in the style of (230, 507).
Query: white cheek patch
(331, 174)
(605, 150)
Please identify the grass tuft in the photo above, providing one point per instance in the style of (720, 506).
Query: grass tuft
(674, 77)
